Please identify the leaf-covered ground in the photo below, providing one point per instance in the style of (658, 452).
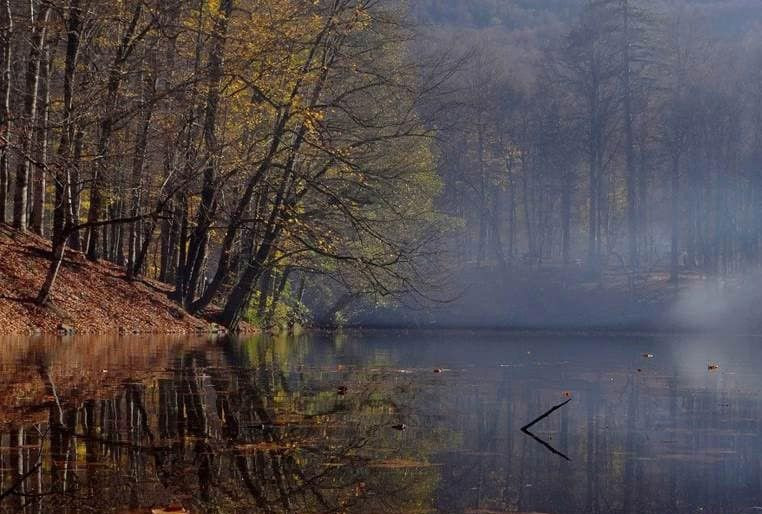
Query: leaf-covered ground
(90, 297)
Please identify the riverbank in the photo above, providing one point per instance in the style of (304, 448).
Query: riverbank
(88, 298)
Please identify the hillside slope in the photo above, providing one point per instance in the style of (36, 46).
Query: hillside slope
(90, 297)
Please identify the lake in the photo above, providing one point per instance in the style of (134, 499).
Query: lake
(381, 422)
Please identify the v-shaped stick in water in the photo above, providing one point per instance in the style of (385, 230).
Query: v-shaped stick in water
(526, 428)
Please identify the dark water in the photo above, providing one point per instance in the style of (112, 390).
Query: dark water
(265, 425)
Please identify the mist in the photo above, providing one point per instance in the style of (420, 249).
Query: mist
(546, 164)
(601, 165)
(205, 204)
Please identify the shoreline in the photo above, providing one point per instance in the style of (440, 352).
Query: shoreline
(598, 331)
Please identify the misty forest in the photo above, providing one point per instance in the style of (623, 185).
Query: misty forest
(373, 163)
(380, 256)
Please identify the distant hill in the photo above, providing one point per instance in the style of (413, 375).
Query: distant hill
(727, 16)
(511, 14)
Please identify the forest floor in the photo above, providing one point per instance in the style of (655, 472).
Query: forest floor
(88, 298)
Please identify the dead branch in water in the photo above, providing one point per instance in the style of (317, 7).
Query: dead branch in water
(526, 428)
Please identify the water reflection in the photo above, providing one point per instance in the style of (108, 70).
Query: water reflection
(305, 425)
(216, 426)
(526, 429)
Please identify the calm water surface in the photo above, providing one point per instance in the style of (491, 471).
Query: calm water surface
(312, 424)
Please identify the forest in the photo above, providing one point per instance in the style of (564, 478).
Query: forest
(632, 130)
(402, 256)
(337, 161)
(228, 148)
(606, 150)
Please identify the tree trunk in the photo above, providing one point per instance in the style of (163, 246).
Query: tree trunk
(209, 191)
(142, 251)
(512, 213)
(63, 182)
(277, 292)
(59, 247)
(266, 283)
(136, 180)
(234, 224)
(646, 246)
(497, 228)
(593, 220)
(75, 189)
(298, 302)
(21, 192)
(115, 243)
(239, 297)
(166, 245)
(182, 245)
(189, 154)
(531, 247)
(632, 214)
(40, 169)
(566, 201)
(106, 129)
(483, 204)
(223, 266)
(5, 112)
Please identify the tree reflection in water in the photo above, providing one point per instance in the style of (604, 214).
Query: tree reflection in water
(225, 427)
(264, 425)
